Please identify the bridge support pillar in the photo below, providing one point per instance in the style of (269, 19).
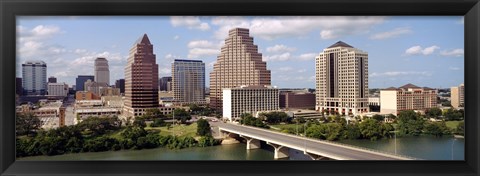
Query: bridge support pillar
(280, 151)
(315, 157)
(252, 143)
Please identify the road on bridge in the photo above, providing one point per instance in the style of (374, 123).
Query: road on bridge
(335, 151)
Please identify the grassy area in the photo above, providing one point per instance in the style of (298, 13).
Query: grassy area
(453, 124)
(178, 130)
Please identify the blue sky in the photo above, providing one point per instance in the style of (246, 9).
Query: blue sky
(426, 51)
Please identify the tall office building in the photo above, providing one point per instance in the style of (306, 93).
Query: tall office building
(80, 81)
(457, 96)
(34, 78)
(18, 86)
(165, 83)
(188, 78)
(121, 85)
(52, 79)
(102, 72)
(341, 73)
(239, 63)
(141, 79)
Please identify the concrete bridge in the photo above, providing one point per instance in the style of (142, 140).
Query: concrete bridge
(316, 149)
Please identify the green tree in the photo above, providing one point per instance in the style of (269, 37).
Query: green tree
(460, 128)
(151, 114)
(27, 123)
(248, 119)
(452, 114)
(436, 128)
(410, 123)
(378, 117)
(203, 128)
(370, 129)
(158, 123)
(182, 115)
(433, 112)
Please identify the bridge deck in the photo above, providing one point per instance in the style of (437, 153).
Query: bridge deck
(318, 147)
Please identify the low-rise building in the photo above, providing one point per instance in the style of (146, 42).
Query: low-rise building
(249, 99)
(297, 99)
(57, 89)
(86, 95)
(51, 114)
(408, 97)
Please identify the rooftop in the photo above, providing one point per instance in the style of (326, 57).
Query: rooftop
(144, 39)
(340, 44)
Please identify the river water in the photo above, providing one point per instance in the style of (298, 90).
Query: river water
(422, 147)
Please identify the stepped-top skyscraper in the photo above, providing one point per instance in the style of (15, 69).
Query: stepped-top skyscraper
(141, 79)
(34, 77)
(239, 63)
(342, 80)
(102, 72)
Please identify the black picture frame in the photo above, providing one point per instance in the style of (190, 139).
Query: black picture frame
(11, 8)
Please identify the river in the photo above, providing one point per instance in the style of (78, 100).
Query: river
(422, 147)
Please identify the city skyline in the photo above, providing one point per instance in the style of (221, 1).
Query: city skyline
(401, 49)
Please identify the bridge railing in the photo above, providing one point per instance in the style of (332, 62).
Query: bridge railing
(337, 143)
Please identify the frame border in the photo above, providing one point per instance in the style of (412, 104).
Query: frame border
(11, 8)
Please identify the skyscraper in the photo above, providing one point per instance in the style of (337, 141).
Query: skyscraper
(457, 96)
(165, 83)
(52, 79)
(102, 72)
(341, 73)
(188, 78)
(239, 63)
(80, 81)
(141, 79)
(121, 85)
(34, 77)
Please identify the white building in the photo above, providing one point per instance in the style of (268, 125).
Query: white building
(374, 101)
(249, 99)
(102, 72)
(408, 97)
(34, 78)
(57, 89)
(457, 96)
(341, 73)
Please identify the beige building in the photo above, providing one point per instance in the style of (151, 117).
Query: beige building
(102, 72)
(408, 97)
(342, 80)
(249, 99)
(57, 89)
(95, 87)
(141, 79)
(239, 63)
(457, 96)
(188, 78)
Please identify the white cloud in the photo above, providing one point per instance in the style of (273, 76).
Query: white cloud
(280, 49)
(454, 68)
(454, 52)
(307, 56)
(285, 68)
(176, 37)
(61, 74)
(400, 73)
(418, 50)
(199, 48)
(269, 28)
(390, 34)
(302, 70)
(191, 22)
(277, 57)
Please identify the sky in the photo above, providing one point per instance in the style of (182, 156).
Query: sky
(422, 50)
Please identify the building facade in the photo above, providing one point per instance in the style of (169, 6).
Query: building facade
(296, 100)
(342, 80)
(239, 63)
(457, 96)
(86, 95)
(249, 99)
(408, 97)
(141, 79)
(80, 81)
(188, 78)
(18, 86)
(57, 89)
(165, 83)
(121, 85)
(102, 72)
(34, 78)
(95, 87)
(52, 79)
